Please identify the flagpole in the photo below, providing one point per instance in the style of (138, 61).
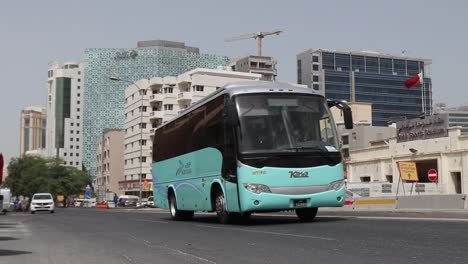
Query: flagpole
(422, 93)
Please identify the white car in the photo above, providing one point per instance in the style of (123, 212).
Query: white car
(42, 202)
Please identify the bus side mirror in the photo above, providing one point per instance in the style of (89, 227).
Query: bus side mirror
(348, 117)
(347, 113)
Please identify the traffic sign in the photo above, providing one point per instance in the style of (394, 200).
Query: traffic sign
(432, 175)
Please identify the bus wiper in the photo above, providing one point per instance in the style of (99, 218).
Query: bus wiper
(302, 148)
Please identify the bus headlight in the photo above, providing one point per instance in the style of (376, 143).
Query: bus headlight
(336, 185)
(257, 188)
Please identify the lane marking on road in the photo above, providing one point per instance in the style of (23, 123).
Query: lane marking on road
(172, 251)
(151, 221)
(267, 232)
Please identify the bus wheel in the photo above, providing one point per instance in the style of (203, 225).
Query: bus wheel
(307, 214)
(223, 216)
(178, 214)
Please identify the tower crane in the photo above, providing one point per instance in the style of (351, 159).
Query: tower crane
(258, 36)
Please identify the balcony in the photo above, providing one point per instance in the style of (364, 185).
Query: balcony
(156, 115)
(185, 96)
(156, 98)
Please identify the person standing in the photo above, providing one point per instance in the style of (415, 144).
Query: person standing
(116, 199)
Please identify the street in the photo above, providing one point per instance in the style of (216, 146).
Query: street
(149, 236)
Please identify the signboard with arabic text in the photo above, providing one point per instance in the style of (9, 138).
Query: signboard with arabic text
(417, 129)
(408, 171)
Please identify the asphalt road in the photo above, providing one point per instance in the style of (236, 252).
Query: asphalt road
(131, 236)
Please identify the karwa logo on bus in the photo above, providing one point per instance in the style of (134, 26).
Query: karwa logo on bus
(298, 174)
(184, 169)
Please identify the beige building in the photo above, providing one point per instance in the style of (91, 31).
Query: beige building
(447, 154)
(109, 160)
(263, 65)
(33, 129)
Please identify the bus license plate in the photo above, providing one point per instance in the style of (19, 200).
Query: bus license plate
(300, 203)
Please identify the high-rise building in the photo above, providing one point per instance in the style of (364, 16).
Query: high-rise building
(104, 105)
(264, 65)
(457, 116)
(149, 103)
(109, 156)
(368, 77)
(33, 129)
(65, 112)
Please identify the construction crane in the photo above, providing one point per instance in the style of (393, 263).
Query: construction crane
(258, 36)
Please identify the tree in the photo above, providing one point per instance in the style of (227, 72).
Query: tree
(31, 174)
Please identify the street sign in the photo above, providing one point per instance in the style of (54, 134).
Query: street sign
(408, 171)
(432, 175)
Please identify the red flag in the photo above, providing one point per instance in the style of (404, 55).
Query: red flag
(1, 168)
(414, 80)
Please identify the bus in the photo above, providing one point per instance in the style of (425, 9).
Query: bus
(249, 148)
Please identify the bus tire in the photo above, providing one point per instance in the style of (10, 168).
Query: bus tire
(220, 207)
(177, 214)
(307, 214)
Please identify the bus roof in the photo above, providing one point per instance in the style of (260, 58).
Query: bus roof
(246, 88)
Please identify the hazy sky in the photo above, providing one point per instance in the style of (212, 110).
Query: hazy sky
(35, 32)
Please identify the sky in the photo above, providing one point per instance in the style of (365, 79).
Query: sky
(32, 33)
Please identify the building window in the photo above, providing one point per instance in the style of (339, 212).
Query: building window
(78, 109)
(71, 146)
(77, 154)
(77, 147)
(77, 163)
(78, 124)
(78, 87)
(77, 139)
(79, 80)
(315, 67)
(315, 78)
(78, 94)
(77, 102)
(77, 132)
(143, 142)
(316, 87)
(71, 139)
(315, 59)
(77, 117)
(365, 179)
(198, 88)
(64, 154)
(144, 108)
(71, 163)
(143, 159)
(71, 124)
(71, 131)
(168, 107)
(345, 140)
(71, 154)
(143, 125)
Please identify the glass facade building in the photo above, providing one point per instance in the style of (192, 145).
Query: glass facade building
(371, 78)
(104, 99)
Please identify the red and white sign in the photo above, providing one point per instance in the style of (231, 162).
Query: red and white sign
(432, 175)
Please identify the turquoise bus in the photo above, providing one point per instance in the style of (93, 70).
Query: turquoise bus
(250, 147)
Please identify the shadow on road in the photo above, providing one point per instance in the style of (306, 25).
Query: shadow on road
(264, 220)
(12, 252)
(6, 238)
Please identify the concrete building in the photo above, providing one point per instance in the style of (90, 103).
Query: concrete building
(149, 103)
(109, 157)
(104, 105)
(430, 144)
(32, 129)
(363, 133)
(370, 77)
(458, 116)
(264, 65)
(65, 112)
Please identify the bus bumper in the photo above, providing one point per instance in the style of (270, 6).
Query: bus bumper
(252, 202)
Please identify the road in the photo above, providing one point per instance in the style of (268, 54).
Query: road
(149, 236)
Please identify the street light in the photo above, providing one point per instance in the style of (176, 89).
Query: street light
(117, 78)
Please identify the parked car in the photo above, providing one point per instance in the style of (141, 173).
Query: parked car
(128, 201)
(8, 205)
(111, 204)
(150, 202)
(42, 202)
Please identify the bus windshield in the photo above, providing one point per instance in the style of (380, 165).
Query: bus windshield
(271, 123)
